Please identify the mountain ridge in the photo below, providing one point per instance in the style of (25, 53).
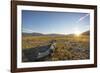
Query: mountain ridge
(52, 34)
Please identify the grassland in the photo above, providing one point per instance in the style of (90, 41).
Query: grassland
(67, 47)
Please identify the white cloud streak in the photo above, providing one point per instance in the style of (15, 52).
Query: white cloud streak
(27, 30)
(83, 17)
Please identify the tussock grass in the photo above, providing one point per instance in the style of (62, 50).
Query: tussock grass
(67, 47)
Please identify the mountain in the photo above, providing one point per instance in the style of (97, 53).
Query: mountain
(55, 34)
(40, 34)
(32, 34)
(86, 33)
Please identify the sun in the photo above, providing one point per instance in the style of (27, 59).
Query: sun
(77, 33)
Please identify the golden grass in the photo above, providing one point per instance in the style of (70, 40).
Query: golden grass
(67, 47)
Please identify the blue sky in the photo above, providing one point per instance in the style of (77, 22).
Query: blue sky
(54, 22)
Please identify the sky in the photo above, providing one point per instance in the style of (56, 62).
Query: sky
(54, 22)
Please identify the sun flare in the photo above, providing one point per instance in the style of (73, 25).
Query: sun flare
(77, 33)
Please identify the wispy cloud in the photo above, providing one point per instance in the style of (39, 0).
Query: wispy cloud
(27, 30)
(83, 17)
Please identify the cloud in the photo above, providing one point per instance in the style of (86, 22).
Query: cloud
(83, 17)
(27, 30)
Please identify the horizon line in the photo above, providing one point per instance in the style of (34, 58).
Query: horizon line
(55, 33)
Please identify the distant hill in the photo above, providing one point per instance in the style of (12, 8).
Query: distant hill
(55, 34)
(32, 34)
(40, 34)
(86, 33)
